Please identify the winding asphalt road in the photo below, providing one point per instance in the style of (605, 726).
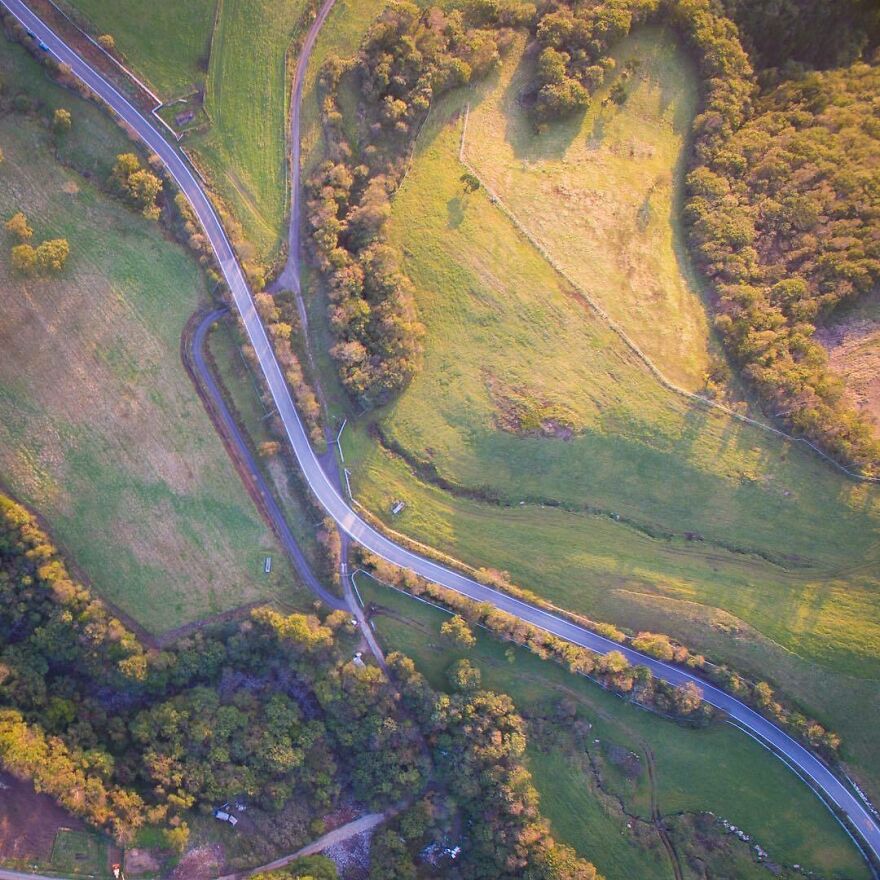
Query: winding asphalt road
(806, 763)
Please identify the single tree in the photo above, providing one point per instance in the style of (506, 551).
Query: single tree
(464, 676)
(17, 224)
(107, 42)
(458, 633)
(688, 698)
(61, 121)
(177, 838)
(24, 259)
(471, 182)
(52, 255)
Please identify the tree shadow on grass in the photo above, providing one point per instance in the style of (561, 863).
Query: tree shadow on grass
(520, 133)
(455, 210)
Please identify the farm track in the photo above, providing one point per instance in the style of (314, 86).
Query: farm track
(833, 789)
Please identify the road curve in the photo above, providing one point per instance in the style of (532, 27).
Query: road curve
(795, 754)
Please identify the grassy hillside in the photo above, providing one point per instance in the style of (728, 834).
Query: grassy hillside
(236, 49)
(602, 191)
(610, 494)
(718, 769)
(101, 430)
(166, 42)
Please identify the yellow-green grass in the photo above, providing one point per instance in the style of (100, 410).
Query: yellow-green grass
(497, 315)
(718, 769)
(602, 193)
(165, 41)
(101, 430)
(246, 98)
(782, 547)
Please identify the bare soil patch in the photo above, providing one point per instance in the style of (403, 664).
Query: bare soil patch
(29, 821)
(853, 348)
(140, 861)
(201, 863)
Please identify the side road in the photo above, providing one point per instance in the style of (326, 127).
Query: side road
(338, 508)
(344, 832)
(227, 426)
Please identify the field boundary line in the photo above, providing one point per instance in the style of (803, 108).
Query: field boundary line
(126, 70)
(539, 246)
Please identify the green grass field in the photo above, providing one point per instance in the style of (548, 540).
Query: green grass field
(718, 769)
(166, 42)
(79, 852)
(101, 430)
(652, 513)
(236, 49)
(246, 98)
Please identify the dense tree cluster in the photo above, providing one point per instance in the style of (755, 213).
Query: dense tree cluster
(812, 33)
(478, 742)
(783, 219)
(573, 42)
(267, 709)
(408, 58)
(47, 257)
(279, 315)
(136, 184)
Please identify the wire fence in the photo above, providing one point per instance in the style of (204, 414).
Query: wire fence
(622, 334)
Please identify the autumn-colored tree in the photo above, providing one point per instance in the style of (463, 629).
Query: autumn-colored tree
(51, 255)
(464, 676)
(107, 42)
(688, 698)
(61, 120)
(18, 225)
(24, 259)
(457, 632)
(139, 186)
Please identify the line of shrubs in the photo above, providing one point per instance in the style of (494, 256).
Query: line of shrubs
(615, 673)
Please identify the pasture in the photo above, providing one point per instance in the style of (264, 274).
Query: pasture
(602, 193)
(166, 42)
(101, 430)
(535, 442)
(244, 152)
(717, 769)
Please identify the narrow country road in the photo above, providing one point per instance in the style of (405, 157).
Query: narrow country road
(338, 508)
(331, 838)
(289, 277)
